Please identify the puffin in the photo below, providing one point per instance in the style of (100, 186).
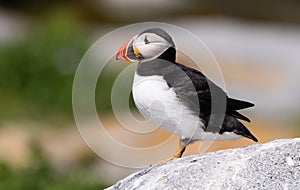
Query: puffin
(179, 99)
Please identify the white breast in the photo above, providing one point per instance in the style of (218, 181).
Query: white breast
(159, 104)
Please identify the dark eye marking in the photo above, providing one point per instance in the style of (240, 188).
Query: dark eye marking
(146, 40)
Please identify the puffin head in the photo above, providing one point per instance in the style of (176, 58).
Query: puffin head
(150, 44)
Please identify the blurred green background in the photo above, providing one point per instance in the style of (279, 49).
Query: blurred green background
(42, 42)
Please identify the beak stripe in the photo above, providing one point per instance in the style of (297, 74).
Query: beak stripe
(125, 52)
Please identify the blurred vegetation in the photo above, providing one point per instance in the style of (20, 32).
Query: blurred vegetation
(105, 83)
(37, 71)
(40, 175)
(270, 10)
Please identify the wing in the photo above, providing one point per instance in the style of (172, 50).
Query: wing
(196, 90)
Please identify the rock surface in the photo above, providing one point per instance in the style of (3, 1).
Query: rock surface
(274, 165)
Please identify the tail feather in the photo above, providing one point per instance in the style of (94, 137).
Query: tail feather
(240, 129)
(231, 124)
(234, 104)
(240, 116)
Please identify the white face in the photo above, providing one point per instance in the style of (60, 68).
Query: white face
(150, 45)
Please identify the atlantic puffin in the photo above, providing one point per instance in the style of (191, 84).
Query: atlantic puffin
(177, 98)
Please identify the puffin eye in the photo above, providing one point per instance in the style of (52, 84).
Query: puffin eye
(146, 40)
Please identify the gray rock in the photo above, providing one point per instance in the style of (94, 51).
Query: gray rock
(274, 165)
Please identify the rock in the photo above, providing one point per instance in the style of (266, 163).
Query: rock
(274, 165)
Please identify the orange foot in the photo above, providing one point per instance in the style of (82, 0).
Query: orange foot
(177, 154)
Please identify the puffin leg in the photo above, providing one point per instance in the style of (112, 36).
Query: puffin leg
(183, 143)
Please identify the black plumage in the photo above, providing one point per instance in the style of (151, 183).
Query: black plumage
(195, 90)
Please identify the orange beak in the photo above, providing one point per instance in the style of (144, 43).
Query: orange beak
(127, 52)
